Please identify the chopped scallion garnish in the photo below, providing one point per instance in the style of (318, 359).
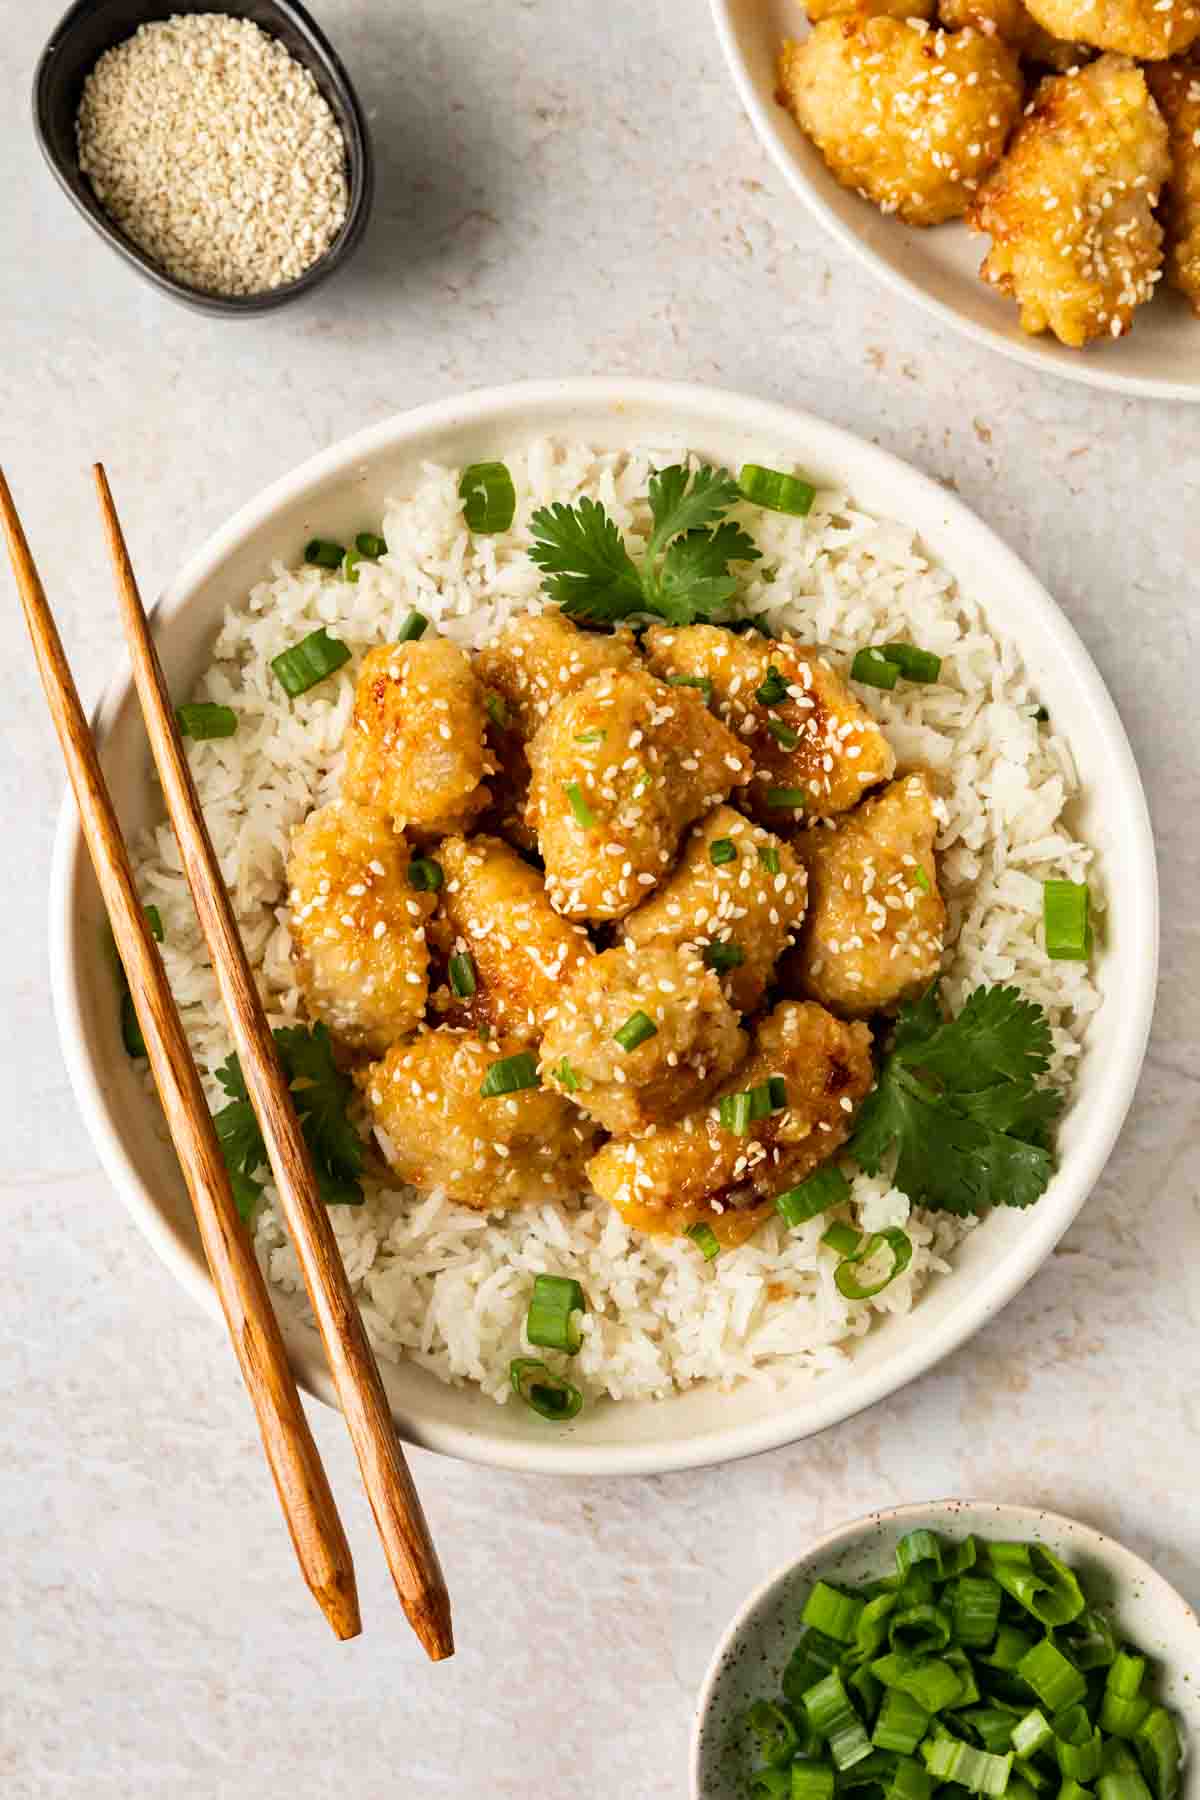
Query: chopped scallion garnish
(350, 564)
(310, 661)
(773, 688)
(783, 734)
(705, 1240)
(776, 491)
(323, 553)
(594, 736)
(787, 799)
(542, 1392)
(412, 627)
(921, 877)
(488, 496)
(722, 850)
(510, 1075)
(566, 1077)
(913, 664)
(847, 1282)
(201, 719)
(1065, 915)
(693, 681)
(551, 1321)
(462, 975)
(737, 1112)
(873, 669)
(638, 1028)
(723, 957)
(425, 875)
(497, 711)
(370, 546)
(768, 856)
(825, 1187)
(584, 815)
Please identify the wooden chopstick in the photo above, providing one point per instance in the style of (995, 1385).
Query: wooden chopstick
(407, 1544)
(295, 1463)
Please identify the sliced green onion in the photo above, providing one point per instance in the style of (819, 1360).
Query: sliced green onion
(1158, 1750)
(783, 734)
(769, 858)
(488, 496)
(154, 921)
(825, 1188)
(310, 661)
(812, 1781)
(777, 1093)
(1056, 1682)
(1037, 1580)
(323, 553)
(510, 1075)
(920, 1630)
(544, 1393)
(350, 564)
(425, 875)
(566, 1077)
(595, 736)
(1078, 1746)
(776, 491)
(958, 1557)
(893, 1239)
(1123, 1786)
(976, 1601)
(832, 1717)
(1070, 1790)
(948, 1759)
(412, 627)
(960, 1662)
(1119, 1759)
(910, 1780)
(1065, 910)
(873, 669)
(202, 719)
(734, 1114)
(370, 546)
(842, 1238)
(1032, 1733)
(551, 1321)
(583, 813)
(832, 1613)
(933, 1683)
(773, 689)
(811, 1660)
(705, 1240)
(869, 1693)
(1090, 1640)
(693, 681)
(1123, 1707)
(771, 1784)
(131, 1031)
(1010, 1646)
(919, 1552)
(774, 1731)
(723, 957)
(722, 850)
(641, 784)
(638, 1028)
(737, 1112)
(901, 1724)
(497, 712)
(921, 877)
(913, 664)
(462, 975)
(787, 799)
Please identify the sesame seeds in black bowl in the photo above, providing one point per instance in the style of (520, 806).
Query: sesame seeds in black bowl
(223, 153)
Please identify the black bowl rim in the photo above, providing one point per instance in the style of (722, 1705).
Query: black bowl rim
(359, 156)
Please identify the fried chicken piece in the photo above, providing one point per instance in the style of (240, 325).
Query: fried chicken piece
(358, 928)
(1176, 90)
(535, 662)
(416, 742)
(436, 1129)
(736, 887)
(1012, 21)
(1070, 210)
(873, 933)
(814, 736)
(1153, 29)
(696, 1039)
(494, 908)
(818, 10)
(909, 117)
(696, 1172)
(619, 771)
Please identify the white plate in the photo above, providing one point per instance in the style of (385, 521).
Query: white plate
(336, 493)
(939, 268)
(751, 1656)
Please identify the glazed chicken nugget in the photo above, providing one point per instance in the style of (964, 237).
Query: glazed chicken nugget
(873, 933)
(1153, 29)
(1176, 90)
(735, 897)
(1012, 21)
(357, 926)
(640, 1037)
(619, 771)
(416, 742)
(436, 1129)
(697, 1172)
(1070, 210)
(806, 731)
(522, 953)
(909, 117)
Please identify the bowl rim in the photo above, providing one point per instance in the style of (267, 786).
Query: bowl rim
(360, 164)
(1087, 374)
(825, 1405)
(1021, 1520)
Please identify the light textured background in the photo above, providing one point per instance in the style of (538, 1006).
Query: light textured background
(565, 188)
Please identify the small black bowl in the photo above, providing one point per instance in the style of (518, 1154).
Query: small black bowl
(93, 26)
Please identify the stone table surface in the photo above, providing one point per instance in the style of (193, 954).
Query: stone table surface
(564, 189)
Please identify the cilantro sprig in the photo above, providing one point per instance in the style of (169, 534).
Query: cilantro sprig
(320, 1092)
(684, 573)
(961, 1103)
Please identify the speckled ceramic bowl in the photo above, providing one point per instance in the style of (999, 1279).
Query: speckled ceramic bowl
(750, 1658)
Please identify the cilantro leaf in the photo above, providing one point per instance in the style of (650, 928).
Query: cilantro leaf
(959, 1104)
(321, 1093)
(586, 566)
(683, 499)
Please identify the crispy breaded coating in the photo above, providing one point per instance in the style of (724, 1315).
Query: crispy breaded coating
(816, 737)
(693, 1172)
(747, 896)
(873, 934)
(1070, 210)
(536, 661)
(357, 926)
(1176, 90)
(1013, 21)
(416, 742)
(868, 9)
(1153, 29)
(619, 771)
(909, 117)
(696, 1041)
(523, 953)
(437, 1131)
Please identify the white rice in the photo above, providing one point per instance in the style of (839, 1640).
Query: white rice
(449, 1287)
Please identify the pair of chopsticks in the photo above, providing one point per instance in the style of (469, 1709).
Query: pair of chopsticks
(304, 1492)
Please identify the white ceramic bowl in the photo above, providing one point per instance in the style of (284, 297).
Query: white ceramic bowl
(750, 1658)
(334, 494)
(939, 268)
